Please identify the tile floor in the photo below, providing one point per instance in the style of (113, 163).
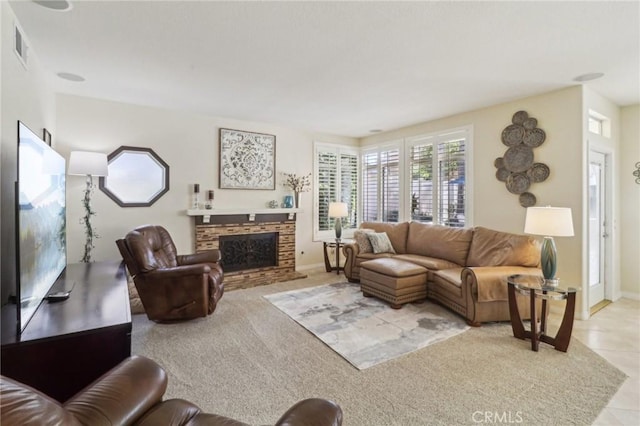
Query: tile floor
(614, 333)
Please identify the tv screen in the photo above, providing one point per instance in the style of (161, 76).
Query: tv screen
(41, 221)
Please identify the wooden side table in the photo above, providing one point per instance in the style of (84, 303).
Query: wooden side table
(533, 286)
(336, 244)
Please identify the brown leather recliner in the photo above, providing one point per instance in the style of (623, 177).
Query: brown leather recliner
(131, 394)
(171, 286)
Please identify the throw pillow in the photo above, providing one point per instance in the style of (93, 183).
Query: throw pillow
(363, 241)
(380, 243)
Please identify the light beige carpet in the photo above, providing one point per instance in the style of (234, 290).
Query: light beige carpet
(251, 362)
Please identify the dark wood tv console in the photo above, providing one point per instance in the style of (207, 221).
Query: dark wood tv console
(68, 344)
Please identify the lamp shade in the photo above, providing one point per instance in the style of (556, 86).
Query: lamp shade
(549, 221)
(338, 210)
(87, 163)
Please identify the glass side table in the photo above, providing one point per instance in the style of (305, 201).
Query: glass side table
(336, 244)
(534, 287)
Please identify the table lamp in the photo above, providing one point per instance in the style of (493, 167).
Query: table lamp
(338, 211)
(89, 164)
(549, 222)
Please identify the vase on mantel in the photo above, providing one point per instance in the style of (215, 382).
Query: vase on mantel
(297, 200)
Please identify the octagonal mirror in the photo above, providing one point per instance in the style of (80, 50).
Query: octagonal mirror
(138, 177)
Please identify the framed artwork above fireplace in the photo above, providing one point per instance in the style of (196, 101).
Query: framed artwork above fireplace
(247, 160)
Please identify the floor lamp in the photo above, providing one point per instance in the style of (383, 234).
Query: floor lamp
(338, 211)
(88, 164)
(550, 222)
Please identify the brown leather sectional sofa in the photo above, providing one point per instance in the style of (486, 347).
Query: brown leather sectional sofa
(467, 268)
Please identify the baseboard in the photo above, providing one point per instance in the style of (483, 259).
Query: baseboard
(629, 295)
(310, 267)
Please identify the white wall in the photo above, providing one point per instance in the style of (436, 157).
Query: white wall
(629, 203)
(26, 96)
(559, 115)
(189, 144)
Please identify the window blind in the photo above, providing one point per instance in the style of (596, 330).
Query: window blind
(381, 176)
(421, 177)
(336, 180)
(451, 182)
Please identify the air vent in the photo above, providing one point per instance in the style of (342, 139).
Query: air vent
(20, 45)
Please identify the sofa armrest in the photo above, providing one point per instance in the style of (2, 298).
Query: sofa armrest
(198, 269)
(209, 256)
(23, 405)
(121, 395)
(312, 412)
(181, 412)
(489, 283)
(350, 252)
(175, 293)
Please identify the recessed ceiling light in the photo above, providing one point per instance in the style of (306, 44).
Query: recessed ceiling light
(588, 77)
(375, 130)
(70, 77)
(59, 5)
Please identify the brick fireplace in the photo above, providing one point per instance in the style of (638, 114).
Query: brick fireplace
(257, 248)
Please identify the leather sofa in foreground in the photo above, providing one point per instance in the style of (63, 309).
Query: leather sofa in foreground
(466, 269)
(131, 394)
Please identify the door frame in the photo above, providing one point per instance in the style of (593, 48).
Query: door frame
(611, 292)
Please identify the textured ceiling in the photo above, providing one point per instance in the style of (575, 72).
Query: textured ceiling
(334, 67)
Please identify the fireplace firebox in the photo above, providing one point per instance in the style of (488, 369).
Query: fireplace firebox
(249, 251)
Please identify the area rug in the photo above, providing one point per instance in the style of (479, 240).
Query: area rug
(364, 330)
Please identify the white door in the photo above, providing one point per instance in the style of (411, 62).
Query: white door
(597, 226)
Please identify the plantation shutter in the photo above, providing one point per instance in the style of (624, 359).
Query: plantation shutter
(327, 180)
(451, 182)
(421, 176)
(336, 179)
(349, 187)
(390, 181)
(370, 186)
(381, 185)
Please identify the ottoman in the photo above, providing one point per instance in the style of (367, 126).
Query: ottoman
(393, 280)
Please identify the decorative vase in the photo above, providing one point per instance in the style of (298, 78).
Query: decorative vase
(288, 201)
(297, 200)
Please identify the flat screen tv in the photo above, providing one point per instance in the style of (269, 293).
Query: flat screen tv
(41, 222)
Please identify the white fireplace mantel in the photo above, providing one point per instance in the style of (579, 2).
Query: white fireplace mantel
(251, 213)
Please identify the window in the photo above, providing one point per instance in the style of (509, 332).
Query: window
(598, 124)
(451, 182)
(381, 180)
(138, 177)
(436, 175)
(336, 179)
(595, 125)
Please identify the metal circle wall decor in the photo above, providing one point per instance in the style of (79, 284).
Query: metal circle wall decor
(518, 183)
(527, 199)
(518, 158)
(517, 168)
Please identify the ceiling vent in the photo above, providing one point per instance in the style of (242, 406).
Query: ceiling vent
(20, 45)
